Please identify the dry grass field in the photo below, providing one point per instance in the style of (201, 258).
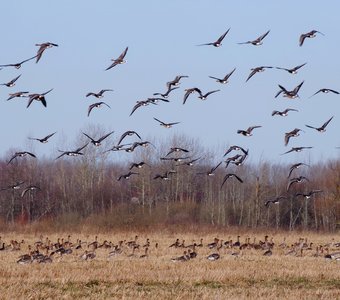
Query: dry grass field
(238, 274)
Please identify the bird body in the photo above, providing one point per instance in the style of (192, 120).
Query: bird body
(96, 105)
(258, 41)
(310, 34)
(248, 132)
(42, 48)
(218, 42)
(119, 60)
(166, 125)
(321, 128)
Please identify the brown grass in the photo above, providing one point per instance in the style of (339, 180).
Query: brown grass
(249, 275)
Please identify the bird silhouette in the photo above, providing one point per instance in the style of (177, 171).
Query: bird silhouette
(248, 132)
(166, 125)
(96, 105)
(42, 48)
(100, 94)
(38, 97)
(310, 34)
(258, 41)
(98, 142)
(225, 79)
(119, 60)
(11, 83)
(44, 140)
(321, 128)
(257, 70)
(292, 70)
(218, 42)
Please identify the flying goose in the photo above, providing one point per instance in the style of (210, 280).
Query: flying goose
(30, 188)
(18, 65)
(293, 133)
(204, 96)
(218, 42)
(283, 113)
(12, 82)
(258, 41)
(128, 133)
(176, 149)
(127, 176)
(211, 172)
(289, 94)
(292, 70)
(295, 166)
(76, 152)
(138, 165)
(257, 70)
(20, 154)
(165, 176)
(248, 132)
(321, 128)
(17, 94)
(310, 34)
(100, 94)
(166, 125)
(14, 186)
(175, 159)
(235, 147)
(167, 93)
(296, 180)
(275, 200)
(189, 163)
(296, 149)
(44, 140)
(229, 175)
(38, 97)
(325, 91)
(96, 105)
(175, 82)
(309, 194)
(190, 91)
(140, 104)
(98, 142)
(119, 60)
(225, 79)
(42, 48)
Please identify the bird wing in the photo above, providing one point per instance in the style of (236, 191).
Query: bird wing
(326, 123)
(211, 92)
(81, 148)
(260, 38)
(252, 73)
(159, 121)
(121, 57)
(220, 39)
(311, 127)
(135, 107)
(13, 157)
(105, 136)
(29, 153)
(88, 137)
(48, 136)
(302, 39)
(47, 92)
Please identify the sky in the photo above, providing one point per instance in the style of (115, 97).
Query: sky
(162, 37)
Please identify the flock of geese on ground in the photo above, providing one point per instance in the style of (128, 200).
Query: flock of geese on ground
(45, 250)
(177, 155)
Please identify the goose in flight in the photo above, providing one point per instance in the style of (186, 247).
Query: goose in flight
(29, 189)
(128, 133)
(100, 94)
(44, 140)
(167, 93)
(38, 97)
(225, 79)
(218, 42)
(283, 113)
(210, 172)
(17, 94)
(310, 34)
(205, 96)
(190, 91)
(15, 186)
(166, 125)
(289, 94)
(296, 180)
(127, 176)
(140, 104)
(309, 194)
(276, 200)
(18, 65)
(176, 149)
(42, 48)
(96, 105)
(119, 60)
(138, 165)
(258, 41)
(98, 142)
(165, 176)
(20, 154)
(230, 175)
(325, 91)
(176, 81)
(76, 152)
(236, 148)
(12, 82)
(257, 70)
(296, 149)
(248, 132)
(321, 128)
(290, 134)
(296, 166)
(292, 70)
(189, 163)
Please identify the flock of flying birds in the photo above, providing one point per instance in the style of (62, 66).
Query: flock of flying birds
(177, 155)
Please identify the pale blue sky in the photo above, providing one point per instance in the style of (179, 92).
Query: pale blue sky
(162, 38)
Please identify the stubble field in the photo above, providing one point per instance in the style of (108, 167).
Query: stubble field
(238, 274)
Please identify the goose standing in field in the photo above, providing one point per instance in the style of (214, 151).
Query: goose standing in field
(218, 42)
(42, 48)
(119, 60)
(182, 258)
(88, 255)
(310, 34)
(213, 256)
(258, 41)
